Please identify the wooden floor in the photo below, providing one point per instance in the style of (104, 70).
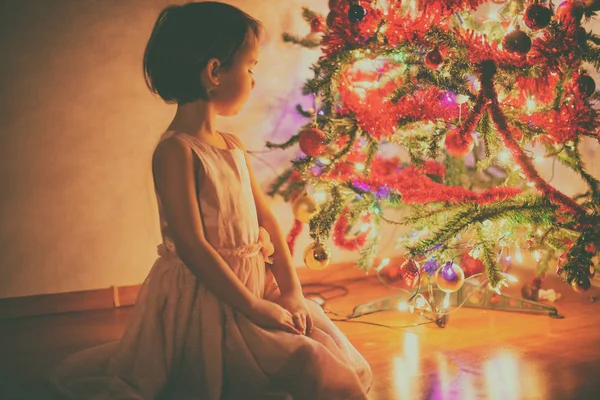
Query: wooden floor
(480, 354)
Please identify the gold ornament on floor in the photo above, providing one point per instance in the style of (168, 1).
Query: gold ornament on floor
(317, 256)
(304, 208)
(449, 277)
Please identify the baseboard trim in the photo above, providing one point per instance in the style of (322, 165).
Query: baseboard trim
(122, 296)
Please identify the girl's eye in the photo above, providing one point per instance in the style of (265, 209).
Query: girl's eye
(251, 73)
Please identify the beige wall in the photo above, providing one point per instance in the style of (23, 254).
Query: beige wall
(78, 127)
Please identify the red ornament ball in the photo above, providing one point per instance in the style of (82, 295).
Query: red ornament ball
(434, 59)
(316, 24)
(537, 16)
(356, 13)
(591, 5)
(458, 145)
(516, 41)
(569, 12)
(591, 248)
(581, 284)
(586, 85)
(312, 142)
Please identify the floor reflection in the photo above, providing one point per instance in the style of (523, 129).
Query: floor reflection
(503, 375)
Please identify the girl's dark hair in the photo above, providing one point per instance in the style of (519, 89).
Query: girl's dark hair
(184, 38)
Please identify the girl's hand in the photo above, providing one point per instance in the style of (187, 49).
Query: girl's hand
(270, 315)
(296, 305)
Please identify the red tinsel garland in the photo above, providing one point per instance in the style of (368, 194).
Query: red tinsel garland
(522, 159)
(293, 235)
(339, 234)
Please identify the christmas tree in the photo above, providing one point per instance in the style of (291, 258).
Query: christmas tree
(473, 103)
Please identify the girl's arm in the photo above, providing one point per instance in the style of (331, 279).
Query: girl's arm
(291, 297)
(174, 168)
(284, 272)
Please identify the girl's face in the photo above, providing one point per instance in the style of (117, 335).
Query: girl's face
(237, 81)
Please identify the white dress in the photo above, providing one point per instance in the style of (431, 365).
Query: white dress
(182, 342)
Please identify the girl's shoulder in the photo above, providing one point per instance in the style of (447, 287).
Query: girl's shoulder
(236, 141)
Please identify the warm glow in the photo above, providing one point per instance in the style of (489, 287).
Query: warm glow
(446, 303)
(530, 104)
(320, 196)
(502, 377)
(518, 255)
(406, 367)
(504, 156)
(384, 263)
(403, 305)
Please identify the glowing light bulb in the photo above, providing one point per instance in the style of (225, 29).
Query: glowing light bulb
(324, 160)
(530, 104)
(359, 167)
(537, 256)
(446, 301)
(538, 159)
(403, 305)
(518, 255)
(365, 227)
(504, 156)
(384, 263)
(320, 196)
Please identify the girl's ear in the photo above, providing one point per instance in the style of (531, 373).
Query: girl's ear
(212, 71)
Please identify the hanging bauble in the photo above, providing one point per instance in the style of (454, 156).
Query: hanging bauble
(591, 248)
(317, 24)
(537, 16)
(356, 13)
(449, 277)
(581, 284)
(516, 41)
(317, 256)
(569, 12)
(434, 59)
(457, 144)
(586, 85)
(409, 270)
(591, 5)
(304, 208)
(312, 142)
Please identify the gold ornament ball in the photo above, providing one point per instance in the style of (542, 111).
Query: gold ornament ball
(317, 256)
(449, 277)
(304, 208)
(581, 285)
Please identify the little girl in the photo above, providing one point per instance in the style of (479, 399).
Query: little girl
(212, 321)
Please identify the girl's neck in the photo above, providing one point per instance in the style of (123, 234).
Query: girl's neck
(196, 118)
